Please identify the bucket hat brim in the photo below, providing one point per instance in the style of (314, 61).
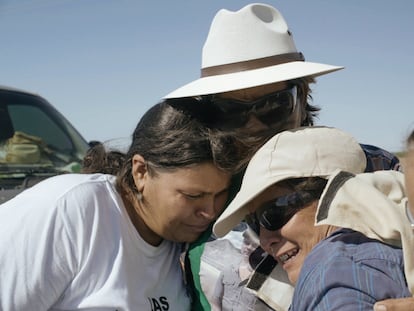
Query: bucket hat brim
(302, 152)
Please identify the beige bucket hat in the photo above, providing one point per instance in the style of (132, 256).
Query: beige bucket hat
(302, 152)
(374, 204)
(248, 48)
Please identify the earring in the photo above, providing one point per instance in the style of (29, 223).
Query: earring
(139, 196)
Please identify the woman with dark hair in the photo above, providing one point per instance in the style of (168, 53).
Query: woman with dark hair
(104, 242)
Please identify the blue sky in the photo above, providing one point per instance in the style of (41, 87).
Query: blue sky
(103, 63)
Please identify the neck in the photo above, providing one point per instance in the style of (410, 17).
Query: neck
(132, 206)
(330, 229)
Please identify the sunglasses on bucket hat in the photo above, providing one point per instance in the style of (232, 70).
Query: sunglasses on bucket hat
(274, 214)
(270, 109)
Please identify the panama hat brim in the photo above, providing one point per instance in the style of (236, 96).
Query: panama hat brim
(251, 78)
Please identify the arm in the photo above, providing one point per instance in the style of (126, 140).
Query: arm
(402, 304)
(34, 254)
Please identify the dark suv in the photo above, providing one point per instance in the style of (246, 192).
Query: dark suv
(36, 142)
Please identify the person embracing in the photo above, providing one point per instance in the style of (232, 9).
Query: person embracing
(106, 242)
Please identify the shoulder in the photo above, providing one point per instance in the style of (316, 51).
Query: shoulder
(346, 245)
(352, 269)
(75, 187)
(88, 199)
(68, 182)
(67, 199)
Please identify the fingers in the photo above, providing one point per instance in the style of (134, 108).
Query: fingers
(401, 304)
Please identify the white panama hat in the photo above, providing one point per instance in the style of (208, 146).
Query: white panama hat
(302, 152)
(248, 48)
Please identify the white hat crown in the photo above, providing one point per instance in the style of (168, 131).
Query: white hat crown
(256, 31)
(249, 48)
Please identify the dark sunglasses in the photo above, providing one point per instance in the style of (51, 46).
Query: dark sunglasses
(274, 214)
(269, 109)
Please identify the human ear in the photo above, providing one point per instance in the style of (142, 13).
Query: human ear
(139, 171)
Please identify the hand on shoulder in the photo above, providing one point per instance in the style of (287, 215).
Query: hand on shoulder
(401, 304)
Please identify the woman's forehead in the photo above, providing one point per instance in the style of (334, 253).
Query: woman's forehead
(203, 176)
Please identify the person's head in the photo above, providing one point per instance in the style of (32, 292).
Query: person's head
(409, 171)
(284, 216)
(100, 160)
(176, 175)
(254, 73)
(281, 187)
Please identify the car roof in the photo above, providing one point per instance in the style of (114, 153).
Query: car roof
(13, 89)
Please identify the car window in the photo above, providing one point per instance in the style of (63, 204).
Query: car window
(36, 142)
(34, 121)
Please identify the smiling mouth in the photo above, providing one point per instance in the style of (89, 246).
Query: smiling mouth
(288, 255)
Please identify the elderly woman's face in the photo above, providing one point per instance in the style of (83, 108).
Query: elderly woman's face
(181, 204)
(290, 244)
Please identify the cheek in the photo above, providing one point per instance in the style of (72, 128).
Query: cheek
(220, 203)
(301, 231)
(410, 195)
(159, 202)
(409, 177)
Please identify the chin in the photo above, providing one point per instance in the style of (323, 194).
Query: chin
(189, 238)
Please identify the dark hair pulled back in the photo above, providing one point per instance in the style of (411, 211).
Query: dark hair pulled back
(169, 139)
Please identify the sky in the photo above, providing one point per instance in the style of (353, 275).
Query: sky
(103, 63)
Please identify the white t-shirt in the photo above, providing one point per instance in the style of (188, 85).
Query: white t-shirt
(68, 244)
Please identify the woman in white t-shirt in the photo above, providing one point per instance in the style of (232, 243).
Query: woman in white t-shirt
(104, 242)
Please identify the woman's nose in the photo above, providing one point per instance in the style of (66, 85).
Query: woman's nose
(207, 210)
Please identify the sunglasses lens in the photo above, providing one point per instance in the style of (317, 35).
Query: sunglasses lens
(277, 108)
(229, 113)
(269, 109)
(275, 218)
(274, 214)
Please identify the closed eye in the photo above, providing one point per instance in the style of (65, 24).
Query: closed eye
(193, 196)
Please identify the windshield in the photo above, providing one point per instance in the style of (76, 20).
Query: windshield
(35, 139)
